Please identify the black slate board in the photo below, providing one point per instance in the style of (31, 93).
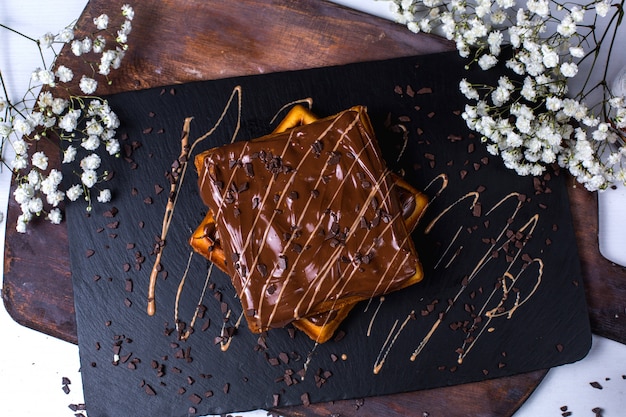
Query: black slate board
(466, 252)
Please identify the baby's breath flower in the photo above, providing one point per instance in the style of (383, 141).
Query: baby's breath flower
(602, 8)
(569, 69)
(91, 143)
(77, 119)
(35, 205)
(64, 74)
(487, 61)
(88, 85)
(128, 12)
(46, 40)
(66, 35)
(113, 146)
(40, 160)
(69, 121)
(90, 162)
(69, 154)
(104, 196)
(74, 192)
(55, 216)
(101, 22)
(89, 177)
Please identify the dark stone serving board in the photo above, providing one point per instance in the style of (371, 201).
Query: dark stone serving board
(515, 242)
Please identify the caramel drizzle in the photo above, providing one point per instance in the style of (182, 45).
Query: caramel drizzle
(498, 310)
(390, 342)
(371, 324)
(186, 150)
(479, 266)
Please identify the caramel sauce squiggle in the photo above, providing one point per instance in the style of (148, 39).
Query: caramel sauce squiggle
(196, 312)
(495, 313)
(308, 101)
(186, 150)
(179, 291)
(381, 361)
(373, 318)
(477, 268)
(445, 252)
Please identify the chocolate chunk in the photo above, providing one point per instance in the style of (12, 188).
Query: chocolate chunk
(149, 390)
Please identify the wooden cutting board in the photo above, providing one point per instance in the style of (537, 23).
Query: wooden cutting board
(175, 42)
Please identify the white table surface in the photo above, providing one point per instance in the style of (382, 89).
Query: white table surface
(32, 365)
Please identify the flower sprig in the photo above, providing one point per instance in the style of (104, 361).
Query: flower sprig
(531, 119)
(51, 111)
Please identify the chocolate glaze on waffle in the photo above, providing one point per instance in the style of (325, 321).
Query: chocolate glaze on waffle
(309, 219)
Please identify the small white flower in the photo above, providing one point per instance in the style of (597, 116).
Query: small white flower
(113, 146)
(74, 192)
(539, 7)
(603, 7)
(89, 178)
(46, 40)
(577, 51)
(98, 44)
(23, 193)
(69, 154)
(91, 143)
(46, 77)
(59, 105)
(94, 128)
(5, 130)
(550, 57)
(35, 205)
(101, 22)
(500, 96)
(90, 162)
(22, 221)
(19, 162)
(487, 61)
(77, 47)
(578, 14)
(70, 120)
(128, 12)
(88, 85)
(64, 74)
(86, 45)
(569, 69)
(467, 90)
(553, 103)
(20, 146)
(55, 198)
(55, 216)
(40, 160)
(22, 127)
(567, 27)
(104, 196)
(34, 179)
(66, 35)
(45, 100)
(494, 40)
